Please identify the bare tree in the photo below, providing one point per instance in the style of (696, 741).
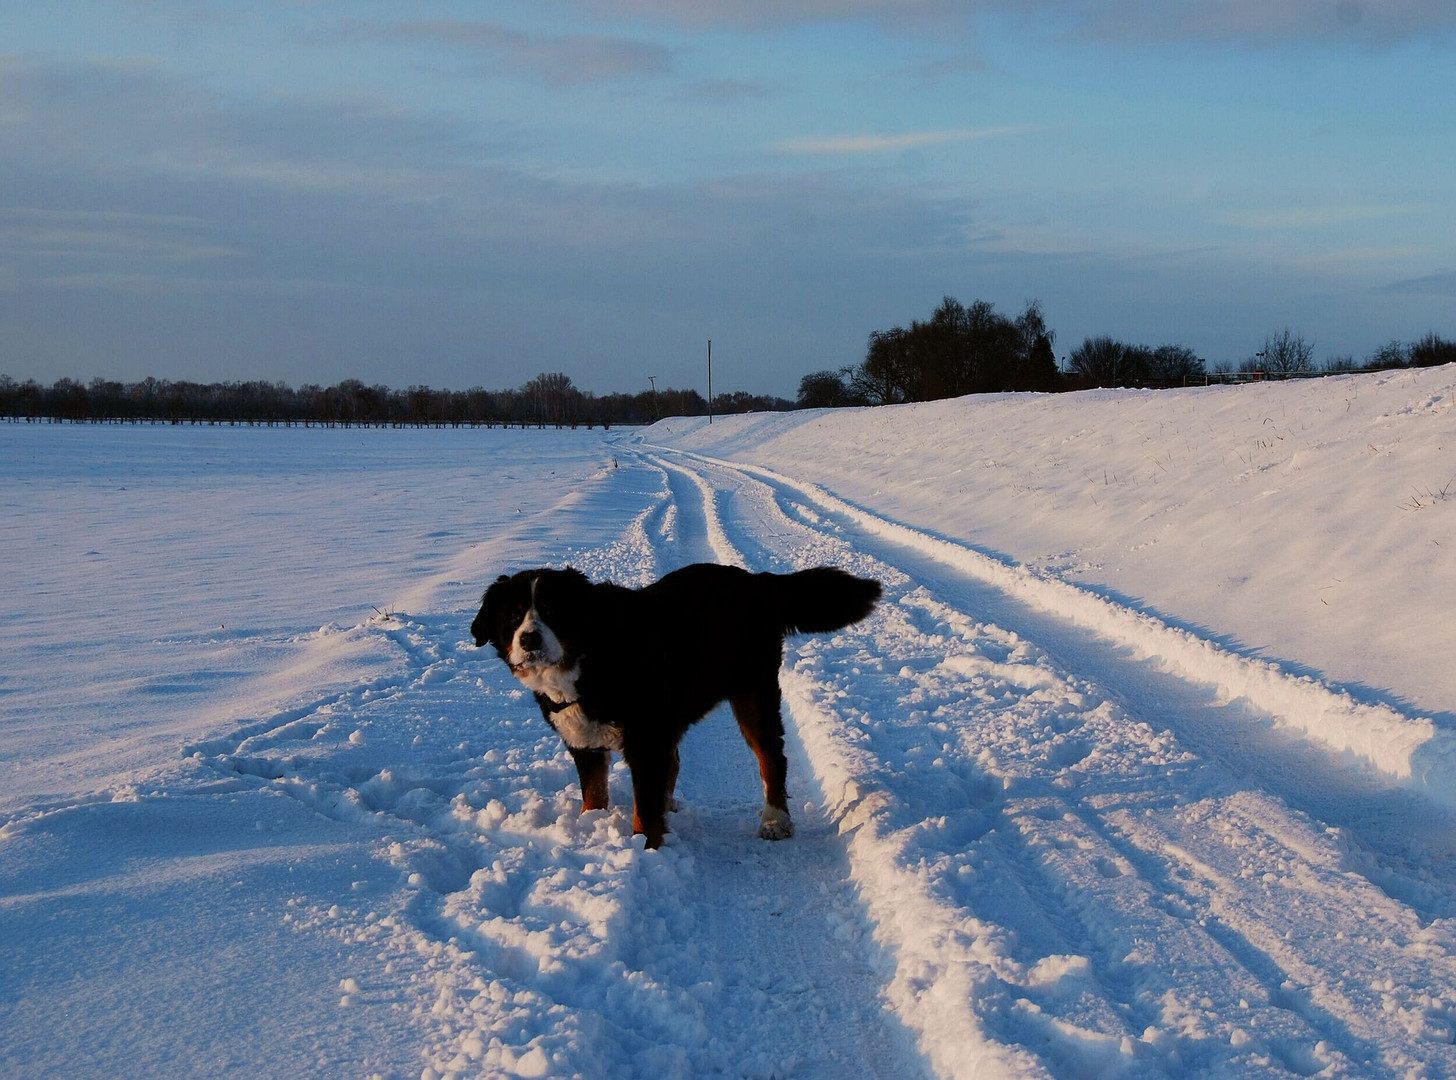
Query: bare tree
(554, 398)
(1432, 350)
(1175, 362)
(882, 378)
(1287, 353)
(1100, 361)
(1393, 354)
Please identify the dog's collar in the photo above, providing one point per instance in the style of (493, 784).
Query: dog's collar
(554, 707)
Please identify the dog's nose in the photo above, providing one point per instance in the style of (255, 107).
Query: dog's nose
(530, 640)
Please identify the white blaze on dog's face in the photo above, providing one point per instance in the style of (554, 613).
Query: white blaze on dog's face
(534, 644)
(536, 653)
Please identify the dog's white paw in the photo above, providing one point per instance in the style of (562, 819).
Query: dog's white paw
(775, 824)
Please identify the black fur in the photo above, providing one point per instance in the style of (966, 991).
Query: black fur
(653, 661)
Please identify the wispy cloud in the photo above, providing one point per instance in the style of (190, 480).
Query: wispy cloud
(1255, 23)
(889, 144)
(1442, 284)
(1262, 23)
(755, 14)
(111, 121)
(728, 91)
(75, 235)
(1314, 217)
(558, 59)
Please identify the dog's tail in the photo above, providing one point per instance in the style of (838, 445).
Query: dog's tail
(822, 599)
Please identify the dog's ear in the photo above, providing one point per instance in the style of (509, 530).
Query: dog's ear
(491, 598)
(488, 616)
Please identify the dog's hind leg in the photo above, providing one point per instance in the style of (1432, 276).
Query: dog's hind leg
(591, 768)
(758, 718)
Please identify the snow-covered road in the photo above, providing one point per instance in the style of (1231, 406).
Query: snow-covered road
(1081, 861)
(1040, 832)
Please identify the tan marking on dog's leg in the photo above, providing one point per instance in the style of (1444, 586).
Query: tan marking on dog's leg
(650, 774)
(763, 729)
(592, 767)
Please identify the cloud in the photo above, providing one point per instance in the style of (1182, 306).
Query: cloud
(108, 121)
(87, 234)
(1240, 22)
(1314, 217)
(1261, 23)
(728, 91)
(757, 15)
(1441, 284)
(557, 59)
(158, 227)
(885, 144)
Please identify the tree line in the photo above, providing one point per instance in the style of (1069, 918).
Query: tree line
(976, 349)
(958, 350)
(550, 399)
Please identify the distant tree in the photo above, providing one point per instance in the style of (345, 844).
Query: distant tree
(554, 399)
(1105, 361)
(71, 400)
(683, 403)
(1337, 364)
(1432, 350)
(1099, 361)
(823, 390)
(1137, 366)
(1393, 354)
(959, 350)
(1286, 353)
(1041, 371)
(1175, 363)
(883, 376)
(741, 401)
(1036, 366)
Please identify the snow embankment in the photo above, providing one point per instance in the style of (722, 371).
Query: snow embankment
(1409, 749)
(1311, 522)
(1015, 473)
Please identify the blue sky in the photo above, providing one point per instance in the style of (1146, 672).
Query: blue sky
(465, 194)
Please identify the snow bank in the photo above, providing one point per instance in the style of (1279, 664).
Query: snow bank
(1409, 749)
(1310, 522)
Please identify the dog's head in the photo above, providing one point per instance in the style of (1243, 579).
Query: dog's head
(535, 619)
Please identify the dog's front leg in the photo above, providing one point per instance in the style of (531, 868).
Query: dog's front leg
(652, 774)
(591, 768)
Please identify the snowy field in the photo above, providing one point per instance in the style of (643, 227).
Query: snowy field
(1145, 766)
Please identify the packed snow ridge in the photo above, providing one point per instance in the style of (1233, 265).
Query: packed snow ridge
(1143, 767)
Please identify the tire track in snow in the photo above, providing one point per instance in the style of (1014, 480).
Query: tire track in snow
(1185, 977)
(933, 972)
(1411, 750)
(527, 939)
(784, 928)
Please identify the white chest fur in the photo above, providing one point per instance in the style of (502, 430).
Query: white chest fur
(582, 733)
(556, 684)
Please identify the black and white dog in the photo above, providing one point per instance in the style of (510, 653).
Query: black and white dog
(631, 670)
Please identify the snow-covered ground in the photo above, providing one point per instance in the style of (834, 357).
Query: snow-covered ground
(1145, 766)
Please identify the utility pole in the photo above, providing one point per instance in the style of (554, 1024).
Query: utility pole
(653, 380)
(710, 380)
